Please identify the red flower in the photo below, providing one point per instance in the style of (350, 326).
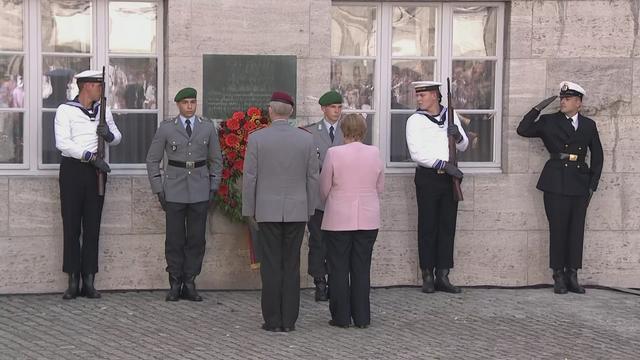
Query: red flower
(231, 155)
(231, 140)
(238, 115)
(249, 126)
(233, 123)
(223, 190)
(226, 173)
(238, 165)
(253, 111)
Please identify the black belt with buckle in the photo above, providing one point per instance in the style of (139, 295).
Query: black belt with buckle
(188, 164)
(565, 156)
(432, 170)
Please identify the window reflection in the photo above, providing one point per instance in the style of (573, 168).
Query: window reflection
(66, 25)
(11, 137)
(11, 81)
(353, 31)
(353, 79)
(474, 31)
(472, 85)
(403, 73)
(479, 130)
(11, 25)
(58, 84)
(126, 18)
(414, 31)
(134, 83)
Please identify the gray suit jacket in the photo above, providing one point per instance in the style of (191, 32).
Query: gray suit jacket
(184, 185)
(322, 143)
(280, 175)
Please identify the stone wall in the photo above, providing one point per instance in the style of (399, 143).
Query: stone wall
(502, 234)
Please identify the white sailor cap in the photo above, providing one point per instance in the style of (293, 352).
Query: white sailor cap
(567, 88)
(421, 86)
(89, 76)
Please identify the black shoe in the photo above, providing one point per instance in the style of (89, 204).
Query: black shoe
(322, 290)
(427, 281)
(288, 328)
(88, 289)
(176, 287)
(333, 323)
(571, 276)
(559, 284)
(442, 282)
(271, 328)
(189, 291)
(74, 285)
(362, 326)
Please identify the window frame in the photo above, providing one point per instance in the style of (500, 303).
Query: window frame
(444, 63)
(99, 55)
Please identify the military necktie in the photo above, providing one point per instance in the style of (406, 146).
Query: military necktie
(331, 135)
(188, 127)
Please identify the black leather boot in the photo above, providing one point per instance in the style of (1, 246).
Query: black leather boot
(176, 286)
(571, 276)
(87, 287)
(74, 285)
(189, 291)
(322, 290)
(427, 281)
(559, 284)
(442, 282)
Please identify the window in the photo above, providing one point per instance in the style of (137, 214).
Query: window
(386, 46)
(56, 39)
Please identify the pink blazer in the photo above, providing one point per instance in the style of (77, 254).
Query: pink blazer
(351, 180)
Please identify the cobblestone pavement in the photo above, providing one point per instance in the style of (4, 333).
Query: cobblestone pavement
(406, 324)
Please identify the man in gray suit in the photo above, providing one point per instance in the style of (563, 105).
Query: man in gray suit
(326, 133)
(279, 192)
(191, 178)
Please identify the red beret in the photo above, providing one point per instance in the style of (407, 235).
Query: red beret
(282, 97)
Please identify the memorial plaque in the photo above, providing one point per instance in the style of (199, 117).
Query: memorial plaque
(235, 82)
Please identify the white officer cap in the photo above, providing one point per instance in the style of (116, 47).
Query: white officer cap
(421, 86)
(568, 88)
(89, 76)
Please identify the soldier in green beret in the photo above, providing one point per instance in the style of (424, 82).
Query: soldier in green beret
(326, 133)
(191, 178)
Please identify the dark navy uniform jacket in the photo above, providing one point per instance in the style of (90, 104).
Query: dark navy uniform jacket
(563, 176)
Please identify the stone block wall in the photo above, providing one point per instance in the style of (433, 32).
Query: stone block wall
(502, 234)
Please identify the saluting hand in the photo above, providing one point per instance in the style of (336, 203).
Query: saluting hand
(103, 131)
(544, 103)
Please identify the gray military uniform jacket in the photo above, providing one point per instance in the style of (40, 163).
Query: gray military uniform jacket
(280, 175)
(322, 143)
(185, 185)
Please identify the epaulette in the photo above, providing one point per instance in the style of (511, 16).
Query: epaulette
(304, 129)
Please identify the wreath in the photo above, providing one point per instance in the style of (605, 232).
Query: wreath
(233, 135)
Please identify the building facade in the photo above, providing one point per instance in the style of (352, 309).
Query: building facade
(502, 57)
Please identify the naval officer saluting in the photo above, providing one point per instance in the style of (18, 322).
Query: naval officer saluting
(566, 180)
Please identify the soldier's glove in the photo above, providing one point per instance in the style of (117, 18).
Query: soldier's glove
(252, 222)
(453, 170)
(102, 165)
(163, 200)
(544, 103)
(455, 132)
(105, 133)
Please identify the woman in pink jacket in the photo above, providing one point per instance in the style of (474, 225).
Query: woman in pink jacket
(351, 180)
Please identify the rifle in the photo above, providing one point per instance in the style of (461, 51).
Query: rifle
(457, 191)
(102, 121)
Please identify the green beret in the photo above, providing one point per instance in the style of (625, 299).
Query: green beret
(330, 97)
(186, 93)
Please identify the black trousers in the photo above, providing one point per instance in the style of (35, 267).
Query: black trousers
(566, 215)
(349, 258)
(280, 271)
(81, 214)
(184, 246)
(317, 246)
(437, 214)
